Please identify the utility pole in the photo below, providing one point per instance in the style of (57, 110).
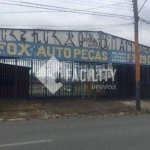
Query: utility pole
(137, 53)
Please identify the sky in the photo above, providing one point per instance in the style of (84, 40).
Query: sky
(51, 14)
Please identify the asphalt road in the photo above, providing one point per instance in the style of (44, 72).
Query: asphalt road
(99, 133)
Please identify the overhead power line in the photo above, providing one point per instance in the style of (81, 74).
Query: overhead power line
(86, 2)
(103, 25)
(113, 26)
(50, 6)
(145, 28)
(145, 9)
(142, 6)
(106, 4)
(64, 9)
(146, 21)
(42, 5)
(23, 12)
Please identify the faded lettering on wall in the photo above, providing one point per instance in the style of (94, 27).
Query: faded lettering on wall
(87, 39)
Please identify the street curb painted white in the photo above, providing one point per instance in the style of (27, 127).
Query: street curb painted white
(25, 143)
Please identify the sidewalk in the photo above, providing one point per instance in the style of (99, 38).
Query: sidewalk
(58, 109)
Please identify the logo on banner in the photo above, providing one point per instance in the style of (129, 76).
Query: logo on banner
(47, 75)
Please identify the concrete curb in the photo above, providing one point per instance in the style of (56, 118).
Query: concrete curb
(16, 119)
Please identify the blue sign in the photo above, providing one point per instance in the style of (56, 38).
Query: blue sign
(66, 53)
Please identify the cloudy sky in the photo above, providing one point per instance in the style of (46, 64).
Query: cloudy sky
(77, 15)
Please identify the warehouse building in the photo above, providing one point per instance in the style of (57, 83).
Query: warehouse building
(24, 52)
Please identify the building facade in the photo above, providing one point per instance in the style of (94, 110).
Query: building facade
(76, 50)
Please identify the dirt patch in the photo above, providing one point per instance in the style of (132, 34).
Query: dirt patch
(58, 109)
(20, 106)
(145, 105)
(80, 107)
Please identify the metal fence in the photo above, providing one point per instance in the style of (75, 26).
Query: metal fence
(18, 81)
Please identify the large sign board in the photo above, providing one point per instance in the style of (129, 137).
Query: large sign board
(69, 46)
(65, 53)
